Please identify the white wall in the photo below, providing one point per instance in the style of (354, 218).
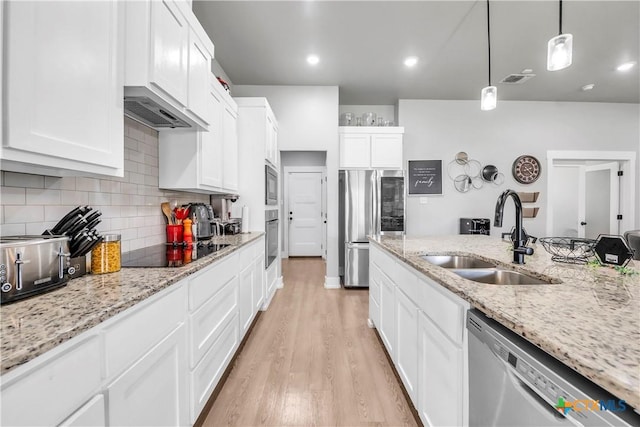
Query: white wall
(303, 158)
(439, 129)
(308, 121)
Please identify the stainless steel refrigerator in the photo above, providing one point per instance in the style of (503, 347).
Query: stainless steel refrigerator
(370, 202)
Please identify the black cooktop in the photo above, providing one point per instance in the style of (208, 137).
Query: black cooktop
(169, 255)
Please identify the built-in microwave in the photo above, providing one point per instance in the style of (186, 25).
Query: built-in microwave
(271, 185)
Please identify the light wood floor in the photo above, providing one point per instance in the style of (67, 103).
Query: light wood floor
(311, 360)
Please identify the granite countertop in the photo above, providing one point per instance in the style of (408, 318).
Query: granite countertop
(590, 321)
(35, 325)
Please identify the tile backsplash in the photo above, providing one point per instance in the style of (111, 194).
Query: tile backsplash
(130, 205)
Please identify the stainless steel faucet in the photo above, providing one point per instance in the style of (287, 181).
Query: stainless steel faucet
(519, 238)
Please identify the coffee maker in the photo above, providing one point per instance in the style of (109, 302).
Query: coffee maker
(204, 220)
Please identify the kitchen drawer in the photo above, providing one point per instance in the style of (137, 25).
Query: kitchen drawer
(443, 308)
(204, 285)
(247, 255)
(54, 387)
(207, 322)
(206, 375)
(385, 262)
(91, 414)
(405, 279)
(142, 328)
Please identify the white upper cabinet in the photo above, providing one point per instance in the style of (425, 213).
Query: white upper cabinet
(230, 146)
(169, 49)
(203, 161)
(271, 147)
(355, 151)
(199, 75)
(168, 58)
(62, 84)
(371, 147)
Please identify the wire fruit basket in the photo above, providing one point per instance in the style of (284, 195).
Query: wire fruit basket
(570, 250)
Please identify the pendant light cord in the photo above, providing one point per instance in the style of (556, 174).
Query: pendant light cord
(560, 31)
(489, 40)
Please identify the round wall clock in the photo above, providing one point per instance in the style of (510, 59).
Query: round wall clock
(526, 169)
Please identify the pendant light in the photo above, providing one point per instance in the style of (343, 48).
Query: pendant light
(489, 95)
(559, 49)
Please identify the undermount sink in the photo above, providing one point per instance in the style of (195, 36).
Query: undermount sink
(481, 271)
(457, 261)
(499, 277)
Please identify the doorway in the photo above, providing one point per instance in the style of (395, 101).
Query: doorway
(604, 202)
(304, 211)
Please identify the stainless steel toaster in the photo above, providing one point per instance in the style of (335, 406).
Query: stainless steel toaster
(30, 265)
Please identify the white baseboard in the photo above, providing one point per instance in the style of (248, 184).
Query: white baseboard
(267, 301)
(332, 282)
(280, 283)
(370, 324)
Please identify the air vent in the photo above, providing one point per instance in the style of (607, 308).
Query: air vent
(516, 79)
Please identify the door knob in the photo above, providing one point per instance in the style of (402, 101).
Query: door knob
(583, 223)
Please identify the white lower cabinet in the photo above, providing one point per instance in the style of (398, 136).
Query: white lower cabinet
(422, 326)
(153, 392)
(246, 298)
(374, 294)
(387, 327)
(258, 283)
(441, 377)
(91, 414)
(407, 343)
(53, 386)
(205, 377)
(155, 364)
(206, 323)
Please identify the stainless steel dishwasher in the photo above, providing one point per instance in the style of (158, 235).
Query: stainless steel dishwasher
(514, 383)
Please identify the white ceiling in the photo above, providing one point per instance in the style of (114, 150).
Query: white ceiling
(362, 45)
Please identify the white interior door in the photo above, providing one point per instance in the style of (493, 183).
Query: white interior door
(305, 213)
(601, 200)
(566, 200)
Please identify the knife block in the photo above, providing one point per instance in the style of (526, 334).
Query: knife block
(80, 266)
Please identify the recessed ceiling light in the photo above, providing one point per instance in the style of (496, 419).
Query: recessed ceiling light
(588, 87)
(527, 71)
(626, 66)
(313, 59)
(411, 61)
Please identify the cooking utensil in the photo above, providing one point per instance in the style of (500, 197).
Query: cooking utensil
(166, 210)
(181, 214)
(489, 173)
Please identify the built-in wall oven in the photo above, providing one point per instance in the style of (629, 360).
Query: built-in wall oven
(271, 240)
(271, 185)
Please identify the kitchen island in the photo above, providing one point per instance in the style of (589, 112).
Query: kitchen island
(33, 326)
(588, 319)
